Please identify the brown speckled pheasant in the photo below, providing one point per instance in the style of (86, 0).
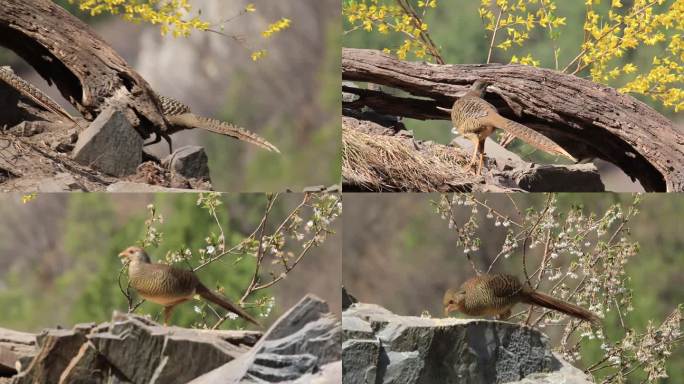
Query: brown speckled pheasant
(177, 114)
(169, 286)
(496, 294)
(476, 119)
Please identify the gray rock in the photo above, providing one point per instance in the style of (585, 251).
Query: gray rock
(61, 182)
(272, 367)
(335, 188)
(162, 354)
(567, 374)
(508, 171)
(303, 346)
(314, 188)
(189, 161)
(28, 128)
(129, 187)
(356, 328)
(15, 348)
(110, 144)
(300, 343)
(130, 349)
(360, 360)
(89, 366)
(347, 299)
(56, 348)
(566, 178)
(405, 349)
(328, 374)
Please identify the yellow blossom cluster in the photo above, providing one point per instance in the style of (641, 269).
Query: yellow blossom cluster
(612, 32)
(276, 27)
(393, 17)
(525, 60)
(518, 18)
(25, 199)
(172, 16)
(625, 29)
(258, 55)
(271, 30)
(169, 14)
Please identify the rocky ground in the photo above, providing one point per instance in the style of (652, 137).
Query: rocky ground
(379, 159)
(106, 154)
(302, 346)
(381, 347)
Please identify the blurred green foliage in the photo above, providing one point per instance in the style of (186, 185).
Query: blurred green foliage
(309, 153)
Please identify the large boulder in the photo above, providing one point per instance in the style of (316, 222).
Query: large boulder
(300, 347)
(16, 348)
(131, 349)
(110, 144)
(381, 347)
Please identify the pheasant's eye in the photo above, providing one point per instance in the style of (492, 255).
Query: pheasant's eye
(452, 301)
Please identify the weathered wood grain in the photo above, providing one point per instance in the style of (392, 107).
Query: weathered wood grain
(86, 70)
(587, 119)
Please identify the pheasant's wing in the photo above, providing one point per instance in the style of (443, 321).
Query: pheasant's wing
(502, 285)
(163, 280)
(469, 113)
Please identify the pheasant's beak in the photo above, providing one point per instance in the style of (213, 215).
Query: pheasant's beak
(448, 309)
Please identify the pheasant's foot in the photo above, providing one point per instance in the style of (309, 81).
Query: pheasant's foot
(504, 315)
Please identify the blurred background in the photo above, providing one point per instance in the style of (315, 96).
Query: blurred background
(291, 97)
(59, 264)
(459, 33)
(400, 254)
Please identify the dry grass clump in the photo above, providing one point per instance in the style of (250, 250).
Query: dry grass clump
(391, 163)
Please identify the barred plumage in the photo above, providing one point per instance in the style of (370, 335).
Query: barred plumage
(171, 107)
(162, 280)
(496, 294)
(476, 119)
(170, 286)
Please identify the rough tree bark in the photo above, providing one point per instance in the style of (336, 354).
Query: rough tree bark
(586, 119)
(87, 71)
(93, 78)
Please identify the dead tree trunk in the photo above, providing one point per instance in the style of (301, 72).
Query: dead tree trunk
(87, 71)
(587, 119)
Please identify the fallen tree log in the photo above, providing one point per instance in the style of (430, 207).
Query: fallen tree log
(587, 119)
(86, 70)
(42, 147)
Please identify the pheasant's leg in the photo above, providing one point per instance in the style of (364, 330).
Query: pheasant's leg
(167, 314)
(473, 158)
(480, 150)
(168, 140)
(504, 315)
(157, 138)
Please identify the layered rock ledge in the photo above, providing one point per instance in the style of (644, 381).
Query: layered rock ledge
(302, 346)
(381, 347)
